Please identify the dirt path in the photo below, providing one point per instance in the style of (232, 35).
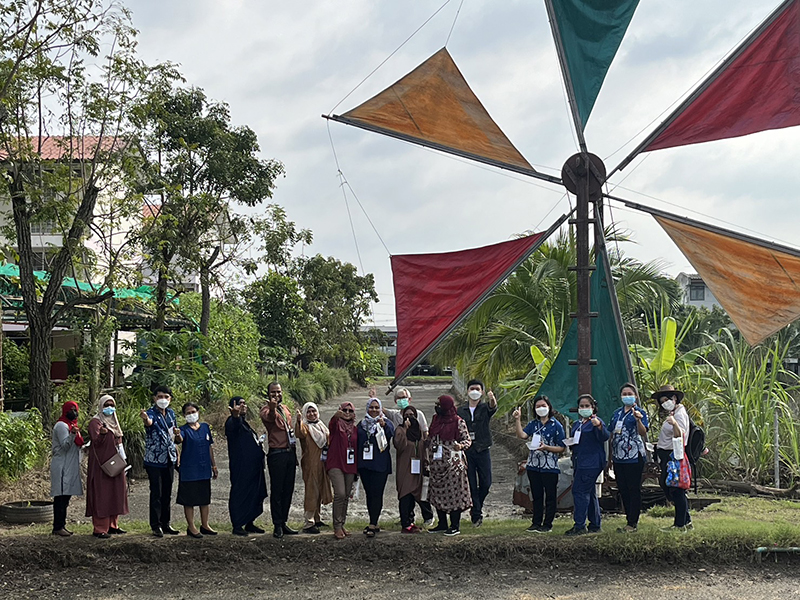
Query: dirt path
(498, 503)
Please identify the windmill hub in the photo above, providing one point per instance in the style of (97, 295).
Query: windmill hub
(581, 169)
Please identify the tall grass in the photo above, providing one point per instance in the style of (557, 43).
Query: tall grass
(319, 384)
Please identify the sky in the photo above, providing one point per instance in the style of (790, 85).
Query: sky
(281, 65)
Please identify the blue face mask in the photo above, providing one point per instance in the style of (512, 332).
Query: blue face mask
(402, 403)
(585, 412)
(629, 400)
(109, 410)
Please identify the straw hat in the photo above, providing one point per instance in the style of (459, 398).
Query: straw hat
(667, 390)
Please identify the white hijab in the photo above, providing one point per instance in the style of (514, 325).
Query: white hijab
(317, 429)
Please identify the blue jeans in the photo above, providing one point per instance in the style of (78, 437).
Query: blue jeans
(479, 473)
(585, 499)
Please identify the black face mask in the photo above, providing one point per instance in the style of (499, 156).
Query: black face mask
(440, 411)
(72, 415)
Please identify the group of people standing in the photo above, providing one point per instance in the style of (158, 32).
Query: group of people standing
(444, 467)
(627, 431)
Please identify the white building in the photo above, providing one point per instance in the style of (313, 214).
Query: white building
(695, 291)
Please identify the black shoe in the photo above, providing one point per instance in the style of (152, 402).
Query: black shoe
(116, 531)
(197, 536)
(534, 529)
(440, 528)
(252, 528)
(546, 528)
(205, 531)
(169, 530)
(277, 532)
(288, 530)
(157, 532)
(594, 530)
(321, 524)
(240, 531)
(312, 529)
(576, 531)
(452, 532)
(477, 522)
(102, 536)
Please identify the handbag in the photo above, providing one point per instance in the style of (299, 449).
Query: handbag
(114, 465)
(679, 473)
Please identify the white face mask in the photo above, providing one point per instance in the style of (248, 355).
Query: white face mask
(192, 418)
(475, 394)
(162, 403)
(668, 405)
(542, 410)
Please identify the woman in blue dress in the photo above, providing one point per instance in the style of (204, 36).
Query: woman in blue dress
(197, 467)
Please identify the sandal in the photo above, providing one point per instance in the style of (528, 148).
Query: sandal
(370, 533)
(339, 534)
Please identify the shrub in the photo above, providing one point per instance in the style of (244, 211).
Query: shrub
(23, 444)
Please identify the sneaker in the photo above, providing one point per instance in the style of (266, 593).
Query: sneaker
(689, 526)
(452, 532)
(546, 528)
(440, 528)
(594, 530)
(428, 522)
(674, 529)
(626, 529)
(576, 531)
(534, 529)
(409, 529)
(477, 522)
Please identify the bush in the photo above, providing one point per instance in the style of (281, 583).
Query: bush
(15, 374)
(318, 385)
(23, 444)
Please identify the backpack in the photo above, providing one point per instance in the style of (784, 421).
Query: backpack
(695, 445)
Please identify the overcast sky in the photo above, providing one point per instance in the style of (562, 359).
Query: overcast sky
(280, 65)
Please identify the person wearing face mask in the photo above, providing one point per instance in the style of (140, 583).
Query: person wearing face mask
(197, 468)
(65, 466)
(676, 425)
(449, 489)
(341, 463)
(402, 399)
(374, 463)
(477, 414)
(281, 459)
(547, 442)
(246, 465)
(313, 436)
(106, 497)
(410, 446)
(628, 432)
(160, 458)
(589, 434)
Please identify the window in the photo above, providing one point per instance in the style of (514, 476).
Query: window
(697, 291)
(43, 228)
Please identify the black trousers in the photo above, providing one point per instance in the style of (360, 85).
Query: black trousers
(374, 483)
(426, 509)
(676, 495)
(407, 510)
(629, 484)
(60, 504)
(282, 469)
(161, 479)
(455, 519)
(544, 489)
(479, 473)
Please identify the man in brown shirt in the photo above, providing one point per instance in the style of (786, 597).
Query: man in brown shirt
(281, 459)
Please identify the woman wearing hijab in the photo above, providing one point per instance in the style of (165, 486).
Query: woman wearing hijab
(341, 463)
(246, 463)
(106, 497)
(313, 436)
(449, 485)
(197, 468)
(374, 463)
(65, 467)
(410, 455)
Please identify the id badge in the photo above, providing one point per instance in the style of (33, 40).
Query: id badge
(292, 440)
(472, 435)
(367, 455)
(324, 456)
(351, 456)
(437, 454)
(536, 441)
(577, 437)
(618, 427)
(415, 466)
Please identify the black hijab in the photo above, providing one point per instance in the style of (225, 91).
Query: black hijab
(414, 431)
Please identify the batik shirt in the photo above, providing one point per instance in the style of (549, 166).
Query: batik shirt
(552, 434)
(627, 445)
(159, 449)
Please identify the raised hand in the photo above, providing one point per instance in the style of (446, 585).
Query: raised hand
(595, 421)
(517, 413)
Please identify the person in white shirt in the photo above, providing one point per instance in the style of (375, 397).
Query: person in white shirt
(676, 425)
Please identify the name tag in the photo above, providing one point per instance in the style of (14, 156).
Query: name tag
(351, 456)
(324, 455)
(472, 435)
(415, 466)
(577, 437)
(536, 441)
(367, 454)
(292, 440)
(618, 427)
(437, 453)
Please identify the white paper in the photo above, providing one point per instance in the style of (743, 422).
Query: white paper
(415, 466)
(367, 454)
(351, 456)
(577, 437)
(536, 441)
(437, 454)
(618, 426)
(569, 441)
(380, 437)
(677, 447)
(472, 435)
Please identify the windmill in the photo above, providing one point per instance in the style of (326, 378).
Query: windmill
(752, 90)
